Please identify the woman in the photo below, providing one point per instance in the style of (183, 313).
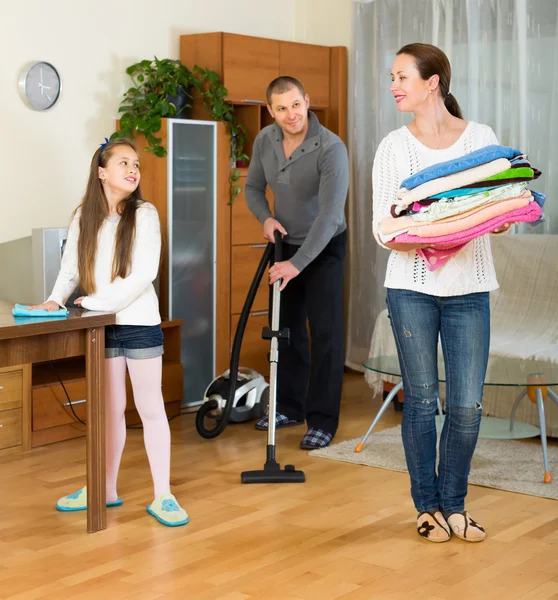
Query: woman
(451, 303)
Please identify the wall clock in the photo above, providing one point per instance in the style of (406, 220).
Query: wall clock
(40, 86)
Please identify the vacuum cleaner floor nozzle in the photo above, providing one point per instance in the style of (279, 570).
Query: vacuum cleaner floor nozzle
(272, 473)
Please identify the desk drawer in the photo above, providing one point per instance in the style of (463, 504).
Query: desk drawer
(50, 404)
(11, 432)
(11, 390)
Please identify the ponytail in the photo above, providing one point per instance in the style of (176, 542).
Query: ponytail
(452, 105)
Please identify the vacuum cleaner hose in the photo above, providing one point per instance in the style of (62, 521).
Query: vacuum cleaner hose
(212, 405)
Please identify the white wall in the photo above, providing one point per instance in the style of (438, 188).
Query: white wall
(44, 156)
(327, 22)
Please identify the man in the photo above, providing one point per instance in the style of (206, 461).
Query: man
(307, 168)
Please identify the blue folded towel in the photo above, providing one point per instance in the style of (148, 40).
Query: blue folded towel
(455, 193)
(540, 200)
(456, 165)
(23, 311)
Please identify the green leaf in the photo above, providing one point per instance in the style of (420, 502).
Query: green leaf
(126, 120)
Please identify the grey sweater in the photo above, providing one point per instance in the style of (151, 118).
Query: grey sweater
(310, 187)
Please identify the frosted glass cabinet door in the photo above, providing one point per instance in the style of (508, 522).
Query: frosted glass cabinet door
(191, 219)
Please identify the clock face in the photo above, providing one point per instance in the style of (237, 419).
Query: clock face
(40, 86)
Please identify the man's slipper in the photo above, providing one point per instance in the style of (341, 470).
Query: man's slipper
(280, 422)
(78, 501)
(167, 511)
(315, 438)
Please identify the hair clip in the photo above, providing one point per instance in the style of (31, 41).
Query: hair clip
(102, 147)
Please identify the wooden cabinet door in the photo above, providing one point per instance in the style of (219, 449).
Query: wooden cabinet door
(246, 229)
(254, 350)
(249, 66)
(245, 260)
(310, 65)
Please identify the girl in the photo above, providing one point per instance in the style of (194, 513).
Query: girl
(451, 303)
(113, 251)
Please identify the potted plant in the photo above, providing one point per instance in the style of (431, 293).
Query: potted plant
(161, 89)
(164, 88)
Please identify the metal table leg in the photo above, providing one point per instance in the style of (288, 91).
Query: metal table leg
(382, 410)
(542, 423)
(514, 409)
(552, 396)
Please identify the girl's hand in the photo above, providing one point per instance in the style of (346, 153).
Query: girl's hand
(78, 301)
(51, 306)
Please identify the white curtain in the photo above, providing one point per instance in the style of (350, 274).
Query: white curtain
(504, 57)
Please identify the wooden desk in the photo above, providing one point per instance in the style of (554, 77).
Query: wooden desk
(29, 340)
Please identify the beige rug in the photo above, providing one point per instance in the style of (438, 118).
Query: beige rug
(511, 465)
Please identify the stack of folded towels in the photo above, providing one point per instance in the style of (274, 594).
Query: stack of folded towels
(451, 203)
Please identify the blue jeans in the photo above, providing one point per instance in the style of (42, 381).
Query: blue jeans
(463, 325)
(133, 341)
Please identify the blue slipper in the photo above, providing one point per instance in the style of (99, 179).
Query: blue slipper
(167, 511)
(78, 501)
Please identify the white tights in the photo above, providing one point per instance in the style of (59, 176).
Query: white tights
(146, 377)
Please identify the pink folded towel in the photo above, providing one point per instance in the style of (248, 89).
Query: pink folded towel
(452, 243)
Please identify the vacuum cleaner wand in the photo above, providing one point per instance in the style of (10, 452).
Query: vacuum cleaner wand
(272, 472)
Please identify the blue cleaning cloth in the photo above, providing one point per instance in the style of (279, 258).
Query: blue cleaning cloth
(456, 165)
(23, 311)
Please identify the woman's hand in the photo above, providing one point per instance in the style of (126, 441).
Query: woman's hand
(504, 228)
(78, 301)
(51, 306)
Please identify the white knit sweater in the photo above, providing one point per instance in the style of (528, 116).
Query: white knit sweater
(400, 155)
(133, 299)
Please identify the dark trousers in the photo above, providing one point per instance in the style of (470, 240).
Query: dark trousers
(310, 379)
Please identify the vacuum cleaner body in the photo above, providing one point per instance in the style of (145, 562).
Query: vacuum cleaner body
(251, 395)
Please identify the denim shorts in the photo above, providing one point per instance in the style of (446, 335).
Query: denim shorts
(133, 341)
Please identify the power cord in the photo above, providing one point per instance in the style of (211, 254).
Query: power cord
(71, 404)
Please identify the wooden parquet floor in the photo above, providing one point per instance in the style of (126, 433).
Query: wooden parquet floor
(347, 533)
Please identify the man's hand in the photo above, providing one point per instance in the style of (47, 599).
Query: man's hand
(270, 226)
(284, 270)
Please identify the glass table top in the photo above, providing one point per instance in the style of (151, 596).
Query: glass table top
(501, 371)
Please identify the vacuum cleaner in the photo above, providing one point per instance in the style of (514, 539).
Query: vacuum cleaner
(251, 396)
(225, 401)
